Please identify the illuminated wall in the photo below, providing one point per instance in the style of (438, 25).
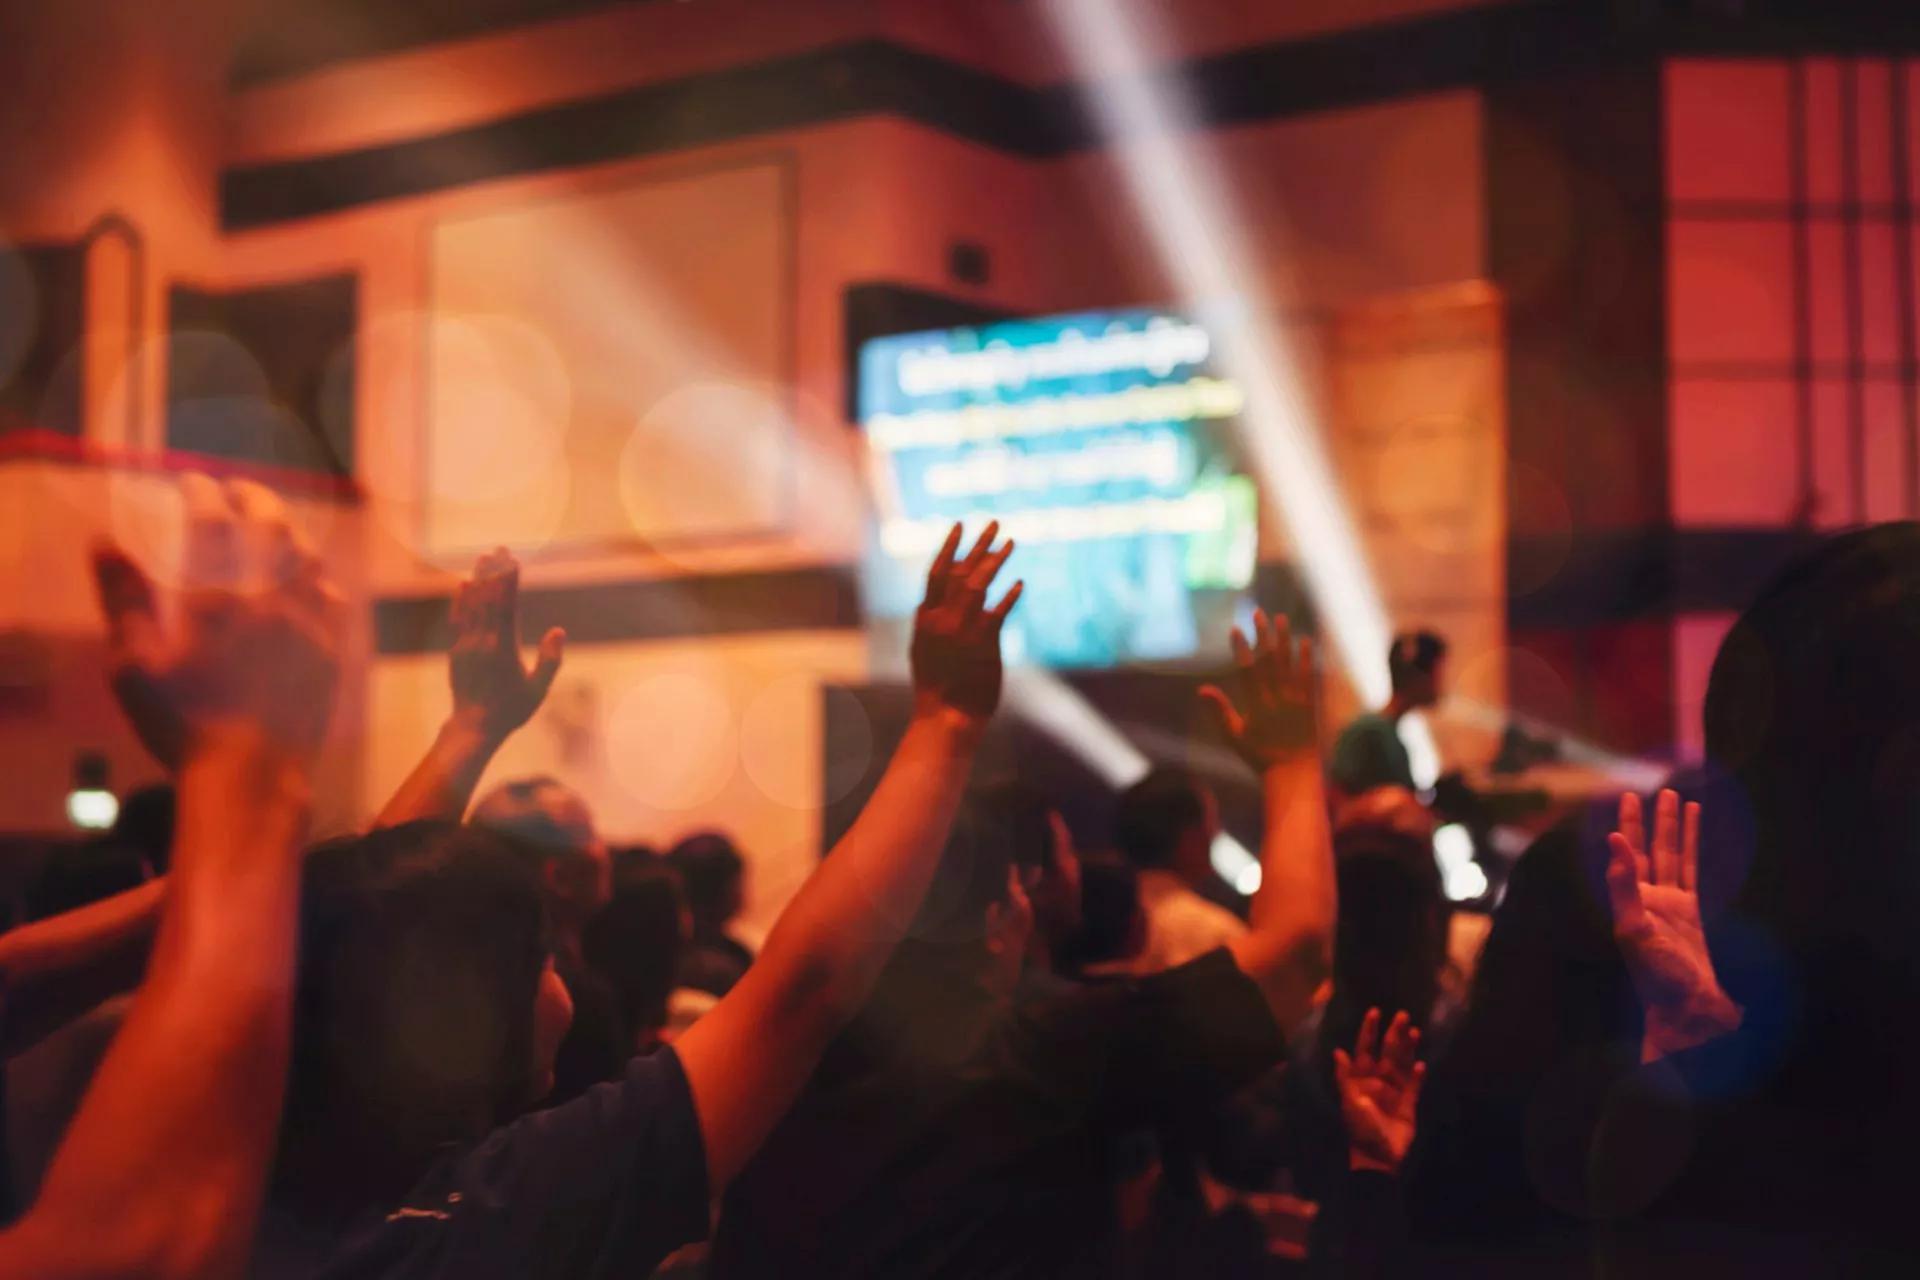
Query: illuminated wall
(1792, 237)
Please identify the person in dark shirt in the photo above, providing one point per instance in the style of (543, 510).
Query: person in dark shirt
(713, 878)
(956, 1130)
(429, 1012)
(637, 942)
(554, 830)
(1369, 753)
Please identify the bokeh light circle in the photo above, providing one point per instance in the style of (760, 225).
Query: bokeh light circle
(672, 741)
(708, 459)
(779, 734)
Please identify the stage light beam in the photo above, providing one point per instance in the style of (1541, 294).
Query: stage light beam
(1152, 130)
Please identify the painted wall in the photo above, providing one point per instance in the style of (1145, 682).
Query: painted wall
(1344, 206)
(1794, 303)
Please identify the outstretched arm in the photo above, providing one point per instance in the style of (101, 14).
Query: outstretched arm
(493, 694)
(54, 970)
(1288, 947)
(161, 1174)
(748, 1059)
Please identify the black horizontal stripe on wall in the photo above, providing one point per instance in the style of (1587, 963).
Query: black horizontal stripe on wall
(867, 78)
(805, 599)
(877, 77)
(1373, 63)
(292, 37)
(1638, 575)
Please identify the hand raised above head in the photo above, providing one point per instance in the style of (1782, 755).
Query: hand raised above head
(492, 687)
(1273, 721)
(955, 654)
(1654, 894)
(254, 649)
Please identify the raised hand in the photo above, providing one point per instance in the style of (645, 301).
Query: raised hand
(253, 653)
(1655, 898)
(955, 653)
(1273, 722)
(1380, 1091)
(492, 688)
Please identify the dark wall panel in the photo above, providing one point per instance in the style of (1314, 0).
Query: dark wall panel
(265, 375)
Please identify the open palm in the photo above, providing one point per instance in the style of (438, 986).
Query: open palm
(1654, 894)
(1380, 1091)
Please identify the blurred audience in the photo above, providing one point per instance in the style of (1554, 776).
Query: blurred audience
(637, 943)
(504, 1049)
(713, 879)
(551, 828)
(965, 1126)
(431, 1010)
(1165, 825)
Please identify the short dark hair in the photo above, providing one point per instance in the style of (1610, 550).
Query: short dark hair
(1416, 653)
(634, 943)
(1153, 813)
(710, 867)
(513, 808)
(1813, 710)
(145, 824)
(421, 949)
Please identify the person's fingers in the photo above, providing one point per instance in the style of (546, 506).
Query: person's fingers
(1342, 1070)
(546, 663)
(984, 573)
(1365, 1044)
(1666, 839)
(1634, 830)
(1690, 848)
(981, 545)
(1279, 664)
(211, 561)
(1623, 885)
(1258, 671)
(266, 547)
(507, 618)
(459, 610)
(1245, 662)
(318, 600)
(333, 607)
(484, 601)
(998, 614)
(942, 565)
(1301, 686)
(127, 599)
(1410, 1099)
(1401, 1044)
(1232, 723)
(1242, 651)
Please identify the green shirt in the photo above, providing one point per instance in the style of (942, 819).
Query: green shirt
(1369, 754)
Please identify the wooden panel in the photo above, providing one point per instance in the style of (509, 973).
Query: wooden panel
(1419, 439)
